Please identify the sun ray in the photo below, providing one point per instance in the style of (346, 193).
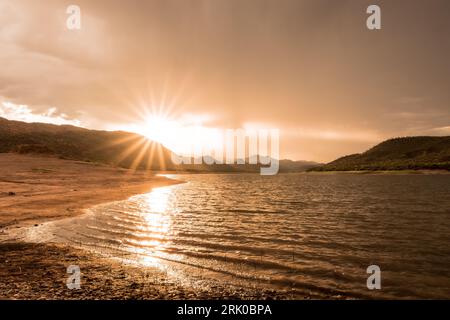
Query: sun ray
(137, 161)
(150, 156)
(119, 141)
(162, 165)
(127, 152)
(162, 103)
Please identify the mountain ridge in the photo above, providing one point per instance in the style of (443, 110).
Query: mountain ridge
(117, 148)
(402, 153)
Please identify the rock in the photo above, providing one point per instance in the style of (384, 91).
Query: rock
(134, 285)
(11, 193)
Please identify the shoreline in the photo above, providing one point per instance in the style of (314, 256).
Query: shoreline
(35, 190)
(39, 189)
(47, 189)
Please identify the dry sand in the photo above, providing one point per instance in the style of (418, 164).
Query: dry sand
(36, 189)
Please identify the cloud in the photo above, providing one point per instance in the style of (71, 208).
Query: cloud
(306, 65)
(441, 130)
(13, 111)
(330, 134)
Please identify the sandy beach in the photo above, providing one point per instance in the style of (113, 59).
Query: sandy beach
(36, 189)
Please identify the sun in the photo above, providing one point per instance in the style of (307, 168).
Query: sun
(180, 136)
(160, 129)
(185, 135)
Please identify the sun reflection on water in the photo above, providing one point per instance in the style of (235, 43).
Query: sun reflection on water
(157, 223)
(157, 200)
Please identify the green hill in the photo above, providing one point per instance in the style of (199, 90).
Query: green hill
(409, 153)
(68, 142)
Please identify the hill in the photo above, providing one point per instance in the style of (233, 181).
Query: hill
(287, 165)
(117, 148)
(408, 153)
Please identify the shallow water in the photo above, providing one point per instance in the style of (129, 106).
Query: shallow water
(305, 233)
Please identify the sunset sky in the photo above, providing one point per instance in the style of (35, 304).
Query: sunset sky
(308, 67)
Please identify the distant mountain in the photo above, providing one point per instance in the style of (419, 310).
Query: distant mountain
(285, 166)
(296, 166)
(118, 148)
(411, 153)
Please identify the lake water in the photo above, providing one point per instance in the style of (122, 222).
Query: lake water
(299, 232)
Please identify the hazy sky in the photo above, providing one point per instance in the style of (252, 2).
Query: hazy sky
(308, 67)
